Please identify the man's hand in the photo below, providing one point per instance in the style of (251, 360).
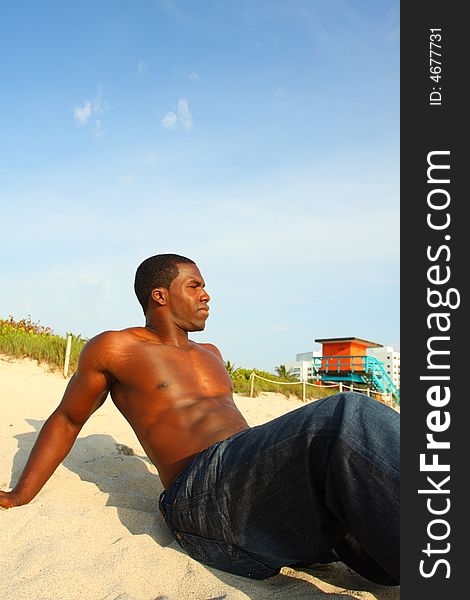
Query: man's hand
(9, 500)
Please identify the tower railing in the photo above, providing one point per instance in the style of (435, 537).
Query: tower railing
(368, 368)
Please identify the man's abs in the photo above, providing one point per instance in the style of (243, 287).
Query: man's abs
(173, 437)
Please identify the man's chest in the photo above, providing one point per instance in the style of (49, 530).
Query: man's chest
(168, 370)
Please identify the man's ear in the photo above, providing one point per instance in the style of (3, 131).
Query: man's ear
(159, 295)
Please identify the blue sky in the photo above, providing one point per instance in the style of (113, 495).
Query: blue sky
(260, 138)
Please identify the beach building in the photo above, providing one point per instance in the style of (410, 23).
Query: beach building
(302, 367)
(352, 361)
(348, 360)
(307, 355)
(390, 359)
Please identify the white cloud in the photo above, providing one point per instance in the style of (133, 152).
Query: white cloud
(83, 113)
(194, 76)
(97, 106)
(169, 120)
(127, 179)
(182, 116)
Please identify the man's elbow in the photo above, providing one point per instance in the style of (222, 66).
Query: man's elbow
(66, 421)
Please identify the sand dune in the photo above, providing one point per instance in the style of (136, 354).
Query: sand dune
(95, 532)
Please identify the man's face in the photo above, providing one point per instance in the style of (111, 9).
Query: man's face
(188, 300)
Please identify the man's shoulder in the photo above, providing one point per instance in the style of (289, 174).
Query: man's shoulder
(212, 348)
(113, 340)
(103, 351)
(116, 336)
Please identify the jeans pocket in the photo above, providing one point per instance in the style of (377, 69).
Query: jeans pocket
(223, 556)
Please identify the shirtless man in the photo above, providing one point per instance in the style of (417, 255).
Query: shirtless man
(218, 473)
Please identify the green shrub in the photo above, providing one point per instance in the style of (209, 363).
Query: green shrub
(27, 339)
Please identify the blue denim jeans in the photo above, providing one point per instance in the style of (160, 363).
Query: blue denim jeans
(320, 483)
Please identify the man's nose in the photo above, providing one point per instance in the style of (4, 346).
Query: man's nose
(205, 296)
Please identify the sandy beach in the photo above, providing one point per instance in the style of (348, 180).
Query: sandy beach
(95, 532)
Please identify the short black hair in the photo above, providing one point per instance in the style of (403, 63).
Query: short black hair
(155, 272)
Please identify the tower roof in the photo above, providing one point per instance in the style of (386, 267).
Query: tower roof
(366, 343)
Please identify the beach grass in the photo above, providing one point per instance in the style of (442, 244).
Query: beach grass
(28, 339)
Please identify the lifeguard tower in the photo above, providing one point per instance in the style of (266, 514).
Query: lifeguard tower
(346, 360)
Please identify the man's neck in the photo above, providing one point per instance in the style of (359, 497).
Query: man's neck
(168, 334)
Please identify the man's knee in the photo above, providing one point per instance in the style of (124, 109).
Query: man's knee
(347, 400)
(346, 409)
(355, 401)
(354, 409)
(326, 413)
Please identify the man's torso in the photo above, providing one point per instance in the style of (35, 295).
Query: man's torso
(178, 400)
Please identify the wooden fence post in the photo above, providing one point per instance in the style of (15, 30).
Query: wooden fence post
(252, 386)
(67, 355)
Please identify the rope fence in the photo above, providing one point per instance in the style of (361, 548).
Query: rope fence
(380, 396)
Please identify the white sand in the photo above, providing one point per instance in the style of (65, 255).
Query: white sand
(94, 531)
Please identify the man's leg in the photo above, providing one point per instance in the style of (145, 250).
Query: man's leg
(289, 491)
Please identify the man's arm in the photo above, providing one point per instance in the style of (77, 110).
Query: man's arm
(85, 393)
